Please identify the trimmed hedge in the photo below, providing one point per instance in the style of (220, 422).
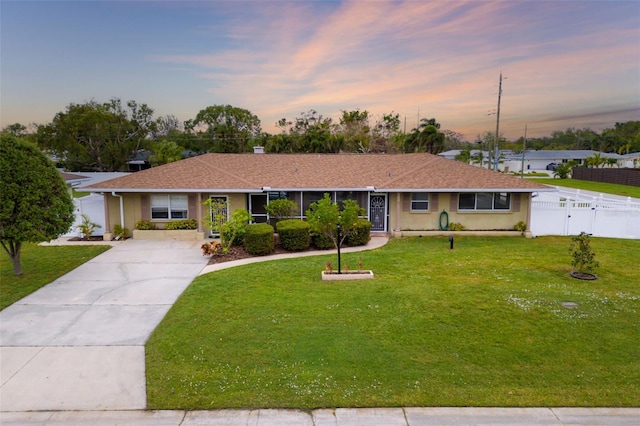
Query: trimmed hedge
(294, 234)
(360, 235)
(181, 224)
(258, 239)
(145, 225)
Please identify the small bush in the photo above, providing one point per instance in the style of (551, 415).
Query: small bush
(211, 248)
(119, 232)
(282, 209)
(182, 224)
(294, 234)
(520, 226)
(322, 242)
(145, 225)
(258, 239)
(360, 234)
(453, 226)
(87, 228)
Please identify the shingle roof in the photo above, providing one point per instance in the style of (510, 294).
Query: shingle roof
(254, 172)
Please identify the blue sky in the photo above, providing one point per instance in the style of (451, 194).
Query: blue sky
(566, 63)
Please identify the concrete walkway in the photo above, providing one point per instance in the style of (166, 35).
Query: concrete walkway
(73, 353)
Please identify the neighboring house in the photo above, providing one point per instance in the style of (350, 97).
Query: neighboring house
(92, 205)
(631, 161)
(538, 160)
(402, 194)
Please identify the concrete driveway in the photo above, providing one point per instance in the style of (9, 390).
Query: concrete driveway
(78, 343)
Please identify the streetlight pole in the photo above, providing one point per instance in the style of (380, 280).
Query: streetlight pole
(495, 154)
(524, 147)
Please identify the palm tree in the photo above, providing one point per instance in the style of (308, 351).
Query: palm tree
(610, 161)
(464, 156)
(427, 137)
(595, 160)
(166, 152)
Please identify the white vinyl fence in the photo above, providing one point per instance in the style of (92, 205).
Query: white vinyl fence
(93, 206)
(570, 213)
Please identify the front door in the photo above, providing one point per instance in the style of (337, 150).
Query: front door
(219, 211)
(378, 212)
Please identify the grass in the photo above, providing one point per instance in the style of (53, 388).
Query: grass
(40, 266)
(603, 187)
(481, 325)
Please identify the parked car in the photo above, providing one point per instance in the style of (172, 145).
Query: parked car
(552, 166)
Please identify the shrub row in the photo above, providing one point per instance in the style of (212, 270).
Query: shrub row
(147, 225)
(295, 235)
(181, 224)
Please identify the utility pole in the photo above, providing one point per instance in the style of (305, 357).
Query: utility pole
(524, 147)
(495, 154)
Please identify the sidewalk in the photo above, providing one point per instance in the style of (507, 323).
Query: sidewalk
(417, 416)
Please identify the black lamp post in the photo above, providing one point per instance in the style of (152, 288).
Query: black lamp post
(338, 239)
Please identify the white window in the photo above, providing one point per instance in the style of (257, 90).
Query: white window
(420, 201)
(169, 207)
(484, 201)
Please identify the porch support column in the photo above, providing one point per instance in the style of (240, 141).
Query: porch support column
(398, 211)
(107, 221)
(199, 211)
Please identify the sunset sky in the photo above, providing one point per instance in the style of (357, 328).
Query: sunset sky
(566, 63)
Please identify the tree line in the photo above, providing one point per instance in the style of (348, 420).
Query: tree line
(95, 136)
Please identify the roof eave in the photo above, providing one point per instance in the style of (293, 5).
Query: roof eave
(174, 190)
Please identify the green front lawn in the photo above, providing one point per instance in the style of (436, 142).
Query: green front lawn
(605, 188)
(40, 266)
(481, 325)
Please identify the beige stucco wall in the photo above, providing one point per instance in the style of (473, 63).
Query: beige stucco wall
(133, 209)
(473, 220)
(408, 221)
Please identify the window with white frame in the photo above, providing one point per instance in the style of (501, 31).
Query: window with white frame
(169, 207)
(419, 201)
(484, 201)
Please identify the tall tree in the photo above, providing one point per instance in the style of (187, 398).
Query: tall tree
(355, 128)
(224, 128)
(312, 133)
(386, 136)
(35, 204)
(94, 136)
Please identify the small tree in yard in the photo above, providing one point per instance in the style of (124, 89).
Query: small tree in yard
(229, 230)
(325, 218)
(35, 205)
(583, 257)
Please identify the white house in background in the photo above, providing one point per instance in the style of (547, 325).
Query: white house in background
(539, 159)
(631, 161)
